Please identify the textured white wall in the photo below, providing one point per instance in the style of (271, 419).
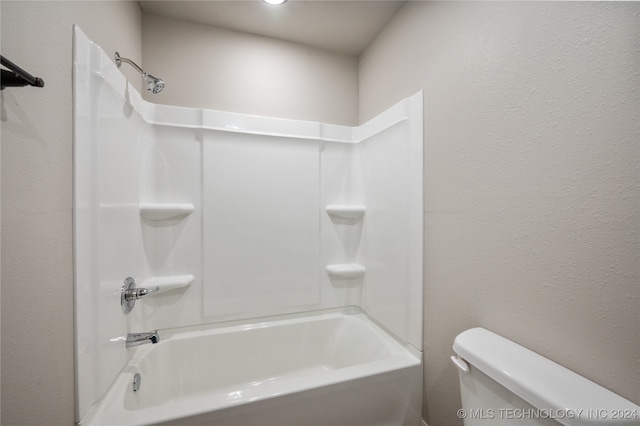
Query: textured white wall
(37, 262)
(215, 68)
(531, 178)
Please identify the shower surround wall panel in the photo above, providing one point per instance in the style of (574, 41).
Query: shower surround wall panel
(108, 152)
(342, 240)
(234, 217)
(392, 194)
(261, 224)
(170, 178)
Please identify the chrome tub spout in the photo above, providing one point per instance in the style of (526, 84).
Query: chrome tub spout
(135, 339)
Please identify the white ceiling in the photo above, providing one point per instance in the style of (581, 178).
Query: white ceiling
(341, 26)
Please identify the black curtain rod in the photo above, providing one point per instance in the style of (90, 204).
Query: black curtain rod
(17, 77)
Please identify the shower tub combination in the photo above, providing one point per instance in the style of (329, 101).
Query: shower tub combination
(334, 368)
(323, 328)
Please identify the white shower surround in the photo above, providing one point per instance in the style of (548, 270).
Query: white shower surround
(154, 199)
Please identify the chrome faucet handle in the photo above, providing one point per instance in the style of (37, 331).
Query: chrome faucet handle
(139, 293)
(129, 294)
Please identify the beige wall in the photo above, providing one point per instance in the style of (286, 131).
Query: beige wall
(37, 258)
(215, 68)
(531, 179)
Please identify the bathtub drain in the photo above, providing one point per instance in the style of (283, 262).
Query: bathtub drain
(137, 379)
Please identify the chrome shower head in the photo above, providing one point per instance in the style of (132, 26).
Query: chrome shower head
(154, 84)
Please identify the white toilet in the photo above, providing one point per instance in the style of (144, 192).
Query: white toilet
(503, 383)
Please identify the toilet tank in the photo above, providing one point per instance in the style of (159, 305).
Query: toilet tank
(503, 383)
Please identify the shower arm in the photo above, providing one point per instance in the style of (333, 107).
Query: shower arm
(154, 84)
(120, 59)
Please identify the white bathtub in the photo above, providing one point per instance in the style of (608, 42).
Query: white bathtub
(333, 368)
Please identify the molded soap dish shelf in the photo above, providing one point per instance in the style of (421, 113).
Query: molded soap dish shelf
(346, 270)
(345, 211)
(158, 211)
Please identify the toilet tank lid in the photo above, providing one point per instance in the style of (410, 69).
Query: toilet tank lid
(543, 383)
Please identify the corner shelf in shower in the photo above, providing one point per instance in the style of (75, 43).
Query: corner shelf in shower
(161, 211)
(167, 282)
(351, 212)
(346, 270)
